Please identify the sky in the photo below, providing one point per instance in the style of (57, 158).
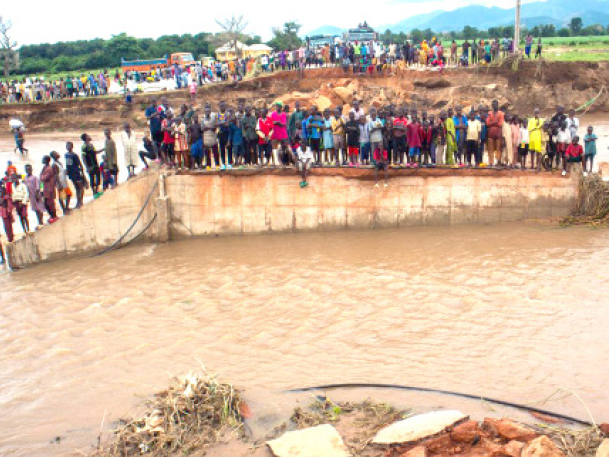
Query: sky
(43, 22)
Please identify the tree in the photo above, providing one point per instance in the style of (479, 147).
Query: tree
(416, 36)
(470, 32)
(232, 32)
(563, 32)
(123, 46)
(256, 39)
(548, 30)
(286, 38)
(596, 29)
(7, 47)
(576, 25)
(387, 37)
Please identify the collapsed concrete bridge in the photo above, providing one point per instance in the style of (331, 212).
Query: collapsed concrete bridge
(162, 206)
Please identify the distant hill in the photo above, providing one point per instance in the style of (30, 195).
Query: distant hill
(557, 12)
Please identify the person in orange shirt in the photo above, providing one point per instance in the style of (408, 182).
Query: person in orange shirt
(11, 169)
(231, 68)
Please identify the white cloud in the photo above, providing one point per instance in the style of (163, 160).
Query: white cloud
(43, 22)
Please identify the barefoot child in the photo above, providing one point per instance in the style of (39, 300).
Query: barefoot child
(305, 159)
(523, 144)
(328, 138)
(563, 138)
(590, 143)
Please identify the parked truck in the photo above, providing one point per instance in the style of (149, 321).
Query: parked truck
(183, 59)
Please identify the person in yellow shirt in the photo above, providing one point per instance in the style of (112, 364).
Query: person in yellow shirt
(535, 128)
(338, 137)
(423, 53)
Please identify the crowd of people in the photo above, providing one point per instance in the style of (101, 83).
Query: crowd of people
(240, 137)
(362, 57)
(37, 89)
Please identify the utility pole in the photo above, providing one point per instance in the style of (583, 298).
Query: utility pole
(517, 28)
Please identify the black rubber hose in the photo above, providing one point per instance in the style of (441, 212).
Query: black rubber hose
(139, 234)
(117, 242)
(446, 392)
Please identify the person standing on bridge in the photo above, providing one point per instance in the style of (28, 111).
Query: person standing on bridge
(494, 121)
(6, 212)
(280, 133)
(33, 187)
(20, 200)
(129, 139)
(111, 161)
(63, 189)
(451, 137)
(535, 127)
(75, 172)
(154, 120)
(209, 126)
(590, 145)
(49, 183)
(89, 156)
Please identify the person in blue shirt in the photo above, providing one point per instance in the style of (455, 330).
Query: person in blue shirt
(304, 127)
(590, 150)
(314, 126)
(91, 80)
(235, 140)
(460, 121)
(75, 172)
(154, 117)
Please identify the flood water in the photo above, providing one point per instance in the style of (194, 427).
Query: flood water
(507, 311)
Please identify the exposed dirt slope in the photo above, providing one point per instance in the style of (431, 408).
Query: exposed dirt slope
(532, 85)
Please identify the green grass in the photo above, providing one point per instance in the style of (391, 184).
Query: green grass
(53, 76)
(555, 41)
(569, 49)
(577, 56)
(576, 40)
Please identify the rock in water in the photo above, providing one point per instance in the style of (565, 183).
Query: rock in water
(322, 440)
(418, 427)
(541, 447)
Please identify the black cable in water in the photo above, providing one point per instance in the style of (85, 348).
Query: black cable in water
(445, 392)
(117, 242)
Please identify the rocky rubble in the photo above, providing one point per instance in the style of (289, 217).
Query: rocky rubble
(437, 433)
(568, 83)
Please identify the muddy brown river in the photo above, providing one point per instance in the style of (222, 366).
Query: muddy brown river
(514, 312)
(511, 311)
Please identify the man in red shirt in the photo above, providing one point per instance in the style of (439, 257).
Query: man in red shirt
(413, 138)
(494, 121)
(279, 121)
(399, 137)
(168, 147)
(574, 154)
(264, 129)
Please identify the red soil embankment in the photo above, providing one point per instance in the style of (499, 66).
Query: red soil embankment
(533, 84)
